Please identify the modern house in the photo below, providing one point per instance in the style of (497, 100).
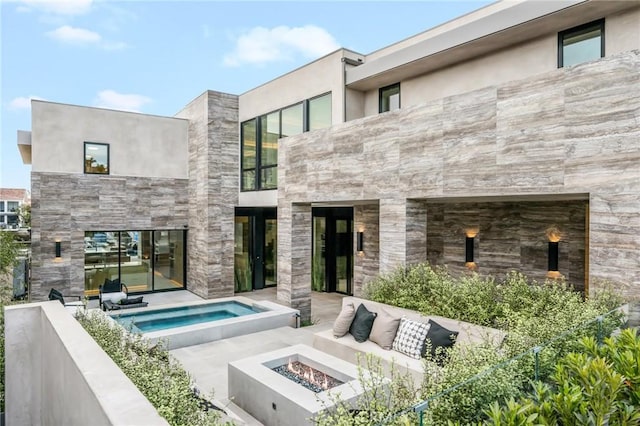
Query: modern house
(11, 200)
(506, 139)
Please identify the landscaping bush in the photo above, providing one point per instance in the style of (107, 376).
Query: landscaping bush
(531, 313)
(8, 254)
(599, 386)
(156, 374)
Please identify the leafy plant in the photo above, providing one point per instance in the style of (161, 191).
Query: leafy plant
(599, 386)
(150, 367)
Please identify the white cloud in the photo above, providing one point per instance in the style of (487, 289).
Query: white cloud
(22, 102)
(68, 34)
(121, 101)
(261, 45)
(59, 7)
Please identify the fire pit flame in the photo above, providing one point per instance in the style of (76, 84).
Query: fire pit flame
(307, 376)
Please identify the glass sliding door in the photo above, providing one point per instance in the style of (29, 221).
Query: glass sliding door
(318, 267)
(343, 249)
(270, 252)
(143, 260)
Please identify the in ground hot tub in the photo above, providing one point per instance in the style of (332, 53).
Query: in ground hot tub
(195, 323)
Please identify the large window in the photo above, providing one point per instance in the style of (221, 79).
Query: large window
(143, 260)
(389, 98)
(319, 112)
(96, 158)
(259, 139)
(581, 44)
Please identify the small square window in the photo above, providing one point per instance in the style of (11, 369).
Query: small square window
(389, 99)
(581, 44)
(96, 158)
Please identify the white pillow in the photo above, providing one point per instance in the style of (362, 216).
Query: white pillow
(410, 337)
(114, 297)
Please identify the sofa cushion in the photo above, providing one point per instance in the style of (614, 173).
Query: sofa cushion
(343, 322)
(438, 337)
(362, 323)
(114, 297)
(384, 329)
(410, 337)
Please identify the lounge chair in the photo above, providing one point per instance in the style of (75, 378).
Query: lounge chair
(73, 306)
(126, 303)
(113, 291)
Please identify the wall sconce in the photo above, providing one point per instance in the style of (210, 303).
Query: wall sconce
(468, 248)
(553, 235)
(360, 241)
(58, 250)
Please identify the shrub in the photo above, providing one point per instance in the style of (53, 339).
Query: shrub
(531, 313)
(156, 374)
(599, 386)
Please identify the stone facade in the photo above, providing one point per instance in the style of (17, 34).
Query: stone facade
(64, 206)
(213, 192)
(566, 134)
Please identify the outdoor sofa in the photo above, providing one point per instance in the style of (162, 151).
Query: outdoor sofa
(348, 349)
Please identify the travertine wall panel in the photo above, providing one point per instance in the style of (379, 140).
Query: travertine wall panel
(511, 236)
(366, 264)
(66, 205)
(569, 131)
(213, 192)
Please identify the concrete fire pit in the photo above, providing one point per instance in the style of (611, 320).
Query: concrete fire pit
(274, 399)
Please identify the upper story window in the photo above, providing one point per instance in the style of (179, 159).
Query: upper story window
(1, 206)
(581, 44)
(13, 206)
(259, 139)
(320, 112)
(389, 98)
(96, 158)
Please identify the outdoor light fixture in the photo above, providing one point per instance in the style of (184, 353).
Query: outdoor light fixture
(58, 249)
(468, 248)
(360, 241)
(553, 235)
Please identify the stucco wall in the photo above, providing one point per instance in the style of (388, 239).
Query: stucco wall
(56, 374)
(139, 144)
(318, 77)
(536, 56)
(567, 131)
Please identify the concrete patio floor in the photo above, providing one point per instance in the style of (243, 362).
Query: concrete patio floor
(207, 363)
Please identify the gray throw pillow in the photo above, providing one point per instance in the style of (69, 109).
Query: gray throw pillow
(384, 329)
(362, 323)
(344, 320)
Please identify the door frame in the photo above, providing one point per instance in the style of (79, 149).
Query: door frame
(257, 225)
(331, 215)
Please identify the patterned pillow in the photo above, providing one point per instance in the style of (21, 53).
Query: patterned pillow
(410, 337)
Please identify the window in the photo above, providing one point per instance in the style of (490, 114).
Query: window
(12, 206)
(96, 158)
(259, 139)
(581, 44)
(248, 137)
(389, 99)
(1, 206)
(292, 120)
(319, 114)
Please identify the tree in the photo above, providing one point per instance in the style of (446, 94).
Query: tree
(24, 215)
(8, 251)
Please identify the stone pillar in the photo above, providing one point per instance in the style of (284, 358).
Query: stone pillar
(213, 192)
(416, 226)
(393, 233)
(294, 257)
(366, 265)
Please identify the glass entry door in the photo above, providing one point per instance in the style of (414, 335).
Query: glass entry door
(255, 248)
(332, 258)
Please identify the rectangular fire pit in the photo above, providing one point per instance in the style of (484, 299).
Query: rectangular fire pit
(277, 399)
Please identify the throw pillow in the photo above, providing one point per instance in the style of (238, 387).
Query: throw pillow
(384, 329)
(362, 323)
(439, 337)
(410, 337)
(344, 320)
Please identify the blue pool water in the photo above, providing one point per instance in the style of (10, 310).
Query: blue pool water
(162, 319)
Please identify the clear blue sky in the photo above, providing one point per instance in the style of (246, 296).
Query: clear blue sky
(155, 56)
